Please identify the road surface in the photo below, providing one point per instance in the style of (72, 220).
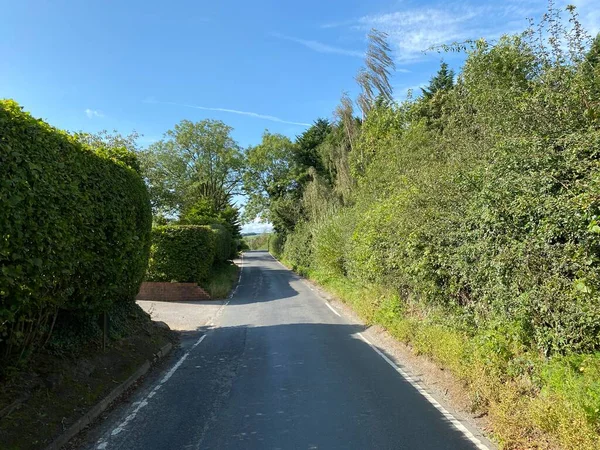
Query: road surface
(278, 369)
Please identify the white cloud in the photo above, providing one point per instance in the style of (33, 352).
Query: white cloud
(413, 30)
(232, 111)
(257, 226)
(319, 46)
(91, 113)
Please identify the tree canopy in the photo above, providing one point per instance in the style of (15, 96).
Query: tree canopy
(195, 160)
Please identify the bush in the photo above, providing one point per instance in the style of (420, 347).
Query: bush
(182, 253)
(331, 242)
(297, 249)
(276, 243)
(223, 243)
(74, 229)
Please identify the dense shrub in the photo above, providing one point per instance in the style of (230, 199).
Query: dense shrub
(297, 249)
(74, 228)
(331, 243)
(477, 211)
(182, 253)
(276, 243)
(223, 243)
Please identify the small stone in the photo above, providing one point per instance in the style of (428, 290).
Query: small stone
(162, 325)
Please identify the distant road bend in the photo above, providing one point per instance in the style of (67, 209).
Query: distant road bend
(279, 369)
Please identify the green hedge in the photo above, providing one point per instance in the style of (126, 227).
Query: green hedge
(276, 242)
(74, 228)
(223, 243)
(182, 253)
(297, 249)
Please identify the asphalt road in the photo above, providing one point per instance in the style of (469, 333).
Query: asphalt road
(277, 370)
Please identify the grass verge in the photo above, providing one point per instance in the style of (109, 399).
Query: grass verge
(222, 280)
(531, 401)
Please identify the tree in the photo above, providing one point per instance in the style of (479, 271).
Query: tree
(374, 78)
(195, 161)
(307, 149)
(442, 81)
(270, 181)
(115, 146)
(203, 212)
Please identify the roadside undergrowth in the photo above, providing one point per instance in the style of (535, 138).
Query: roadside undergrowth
(531, 401)
(222, 280)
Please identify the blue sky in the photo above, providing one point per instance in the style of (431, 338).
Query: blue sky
(145, 65)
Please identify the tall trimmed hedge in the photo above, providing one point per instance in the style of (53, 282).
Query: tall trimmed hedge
(74, 228)
(182, 253)
(223, 243)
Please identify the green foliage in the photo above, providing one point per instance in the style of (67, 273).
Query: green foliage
(223, 243)
(203, 212)
(75, 229)
(269, 182)
(442, 81)
(307, 149)
(276, 243)
(182, 253)
(196, 160)
(258, 242)
(222, 280)
(297, 250)
(476, 208)
(114, 146)
(332, 243)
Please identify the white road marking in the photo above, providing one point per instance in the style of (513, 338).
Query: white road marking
(453, 420)
(239, 279)
(222, 308)
(102, 444)
(334, 311)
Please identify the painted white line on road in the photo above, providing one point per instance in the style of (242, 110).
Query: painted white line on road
(334, 311)
(239, 279)
(453, 420)
(174, 368)
(211, 323)
(102, 444)
(197, 342)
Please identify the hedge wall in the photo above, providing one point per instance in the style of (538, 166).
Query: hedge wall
(74, 228)
(182, 253)
(223, 243)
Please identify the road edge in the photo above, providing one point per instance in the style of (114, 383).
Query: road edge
(459, 419)
(103, 404)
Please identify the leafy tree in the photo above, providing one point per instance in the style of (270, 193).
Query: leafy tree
(592, 57)
(195, 160)
(270, 181)
(114, 145)
(203, 212)
(591, 76)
